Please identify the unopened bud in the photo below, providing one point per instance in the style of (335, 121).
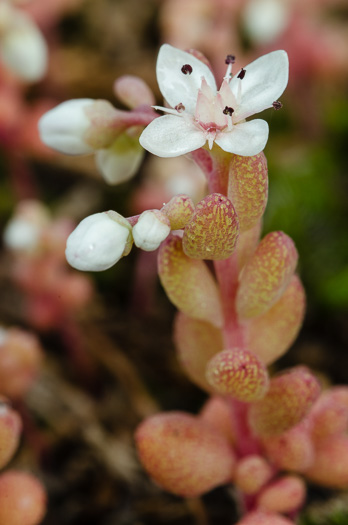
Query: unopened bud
(22, 46)
(63, 127)
(99, 242)
(133, 91)
(152, 228)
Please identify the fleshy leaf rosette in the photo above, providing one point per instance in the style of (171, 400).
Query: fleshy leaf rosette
(286, 494)
(272, 333)
(252, 473)
(188, 283)
(266, 275)
(248, 188)
(213, 230)
(183, 454)
(287, 402)
(179, 211)
(196, 343)
(239, 374)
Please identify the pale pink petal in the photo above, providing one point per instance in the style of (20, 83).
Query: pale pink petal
(246, 138)
(171, 136)
(264, 82)
(175, 86)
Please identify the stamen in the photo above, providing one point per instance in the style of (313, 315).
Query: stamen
(186, 69)
(228, 111)
(170, 111)
(241, 73)
(277, 105)
(180, 107)
(230, 59)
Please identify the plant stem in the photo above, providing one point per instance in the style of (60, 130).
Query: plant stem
(216, 166)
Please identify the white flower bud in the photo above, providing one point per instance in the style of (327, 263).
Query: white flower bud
(24, 231)
(63, 127)
(22, 47)
(150, 230)
(265, 20)
(98, 242)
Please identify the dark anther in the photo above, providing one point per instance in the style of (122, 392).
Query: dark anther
(230, 59)
(277, 105)
(228, 111)
(186, 69)
(180, 107)
(241, 73)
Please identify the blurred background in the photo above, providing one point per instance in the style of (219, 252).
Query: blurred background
(104, 357)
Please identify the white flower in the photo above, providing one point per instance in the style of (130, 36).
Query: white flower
(63, 127)
(22, 46)
(202, 114)
(99, 241)
(150, 230)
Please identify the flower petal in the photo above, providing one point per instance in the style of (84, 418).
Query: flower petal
(265, 80)
(246, 138)
(171, 136)
(177, 87)
(121, 161)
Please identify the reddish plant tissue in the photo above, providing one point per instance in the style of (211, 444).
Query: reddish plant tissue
(22, 499)
(10, 431)
(264, 518)
(183, 454)
(238, 373)
(288, 400)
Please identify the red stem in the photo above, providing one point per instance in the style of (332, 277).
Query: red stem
(216, 166)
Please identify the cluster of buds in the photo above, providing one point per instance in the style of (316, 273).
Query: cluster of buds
(37, 242)
(22, 46)
(87, 126)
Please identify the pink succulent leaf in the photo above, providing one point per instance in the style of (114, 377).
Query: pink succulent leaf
(272, 333)
(252, 473)
(188, 283)
(266, 275)
(248, 188)
(330, 466)
(239, 374)
(284, 495)
(184, 454)
(287, 402)
(179, 211)
(293, 450)
(218, 413)
(264, 518)
(196, 343)
(213, 230)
